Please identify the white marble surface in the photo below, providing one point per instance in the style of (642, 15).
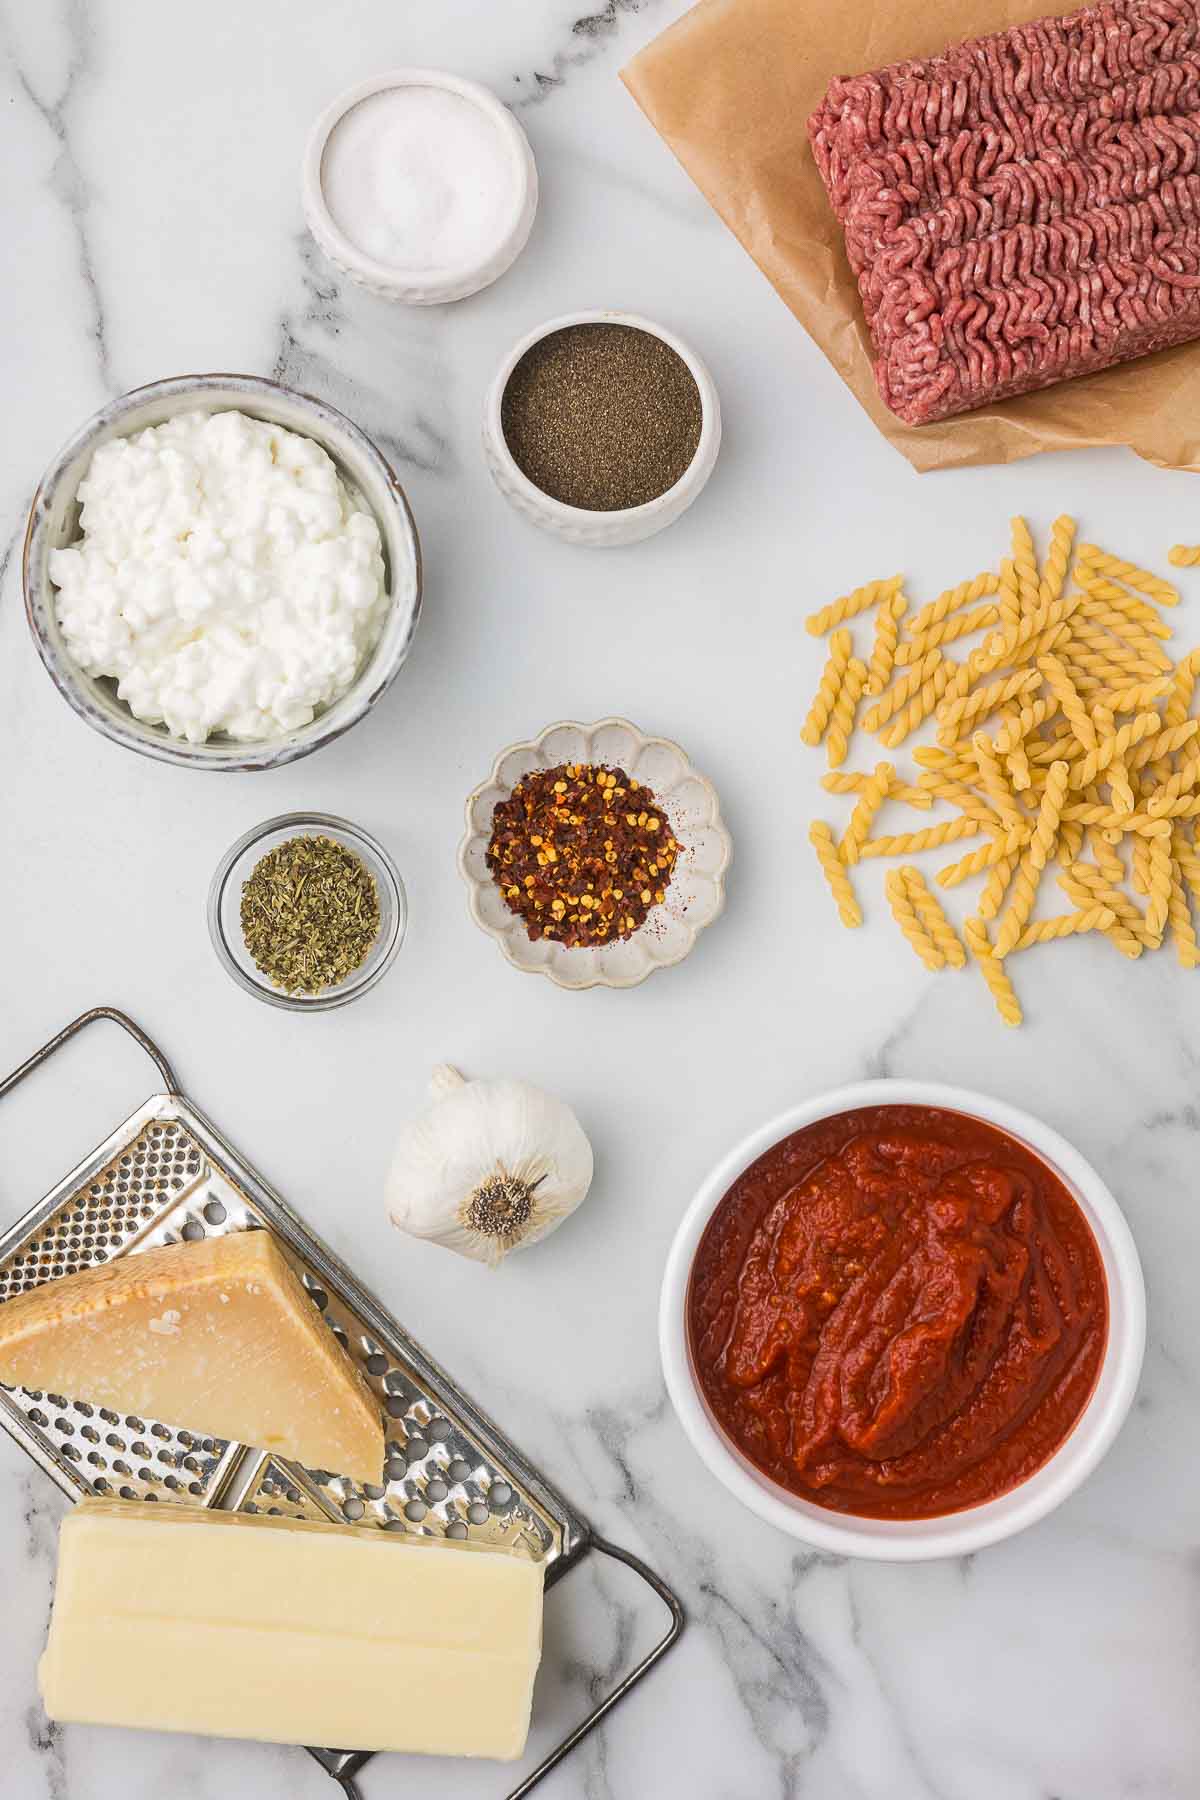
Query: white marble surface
(152, 226)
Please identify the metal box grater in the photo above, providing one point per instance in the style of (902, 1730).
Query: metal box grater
(166, 1174)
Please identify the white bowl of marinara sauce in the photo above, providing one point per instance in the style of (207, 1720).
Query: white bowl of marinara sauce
(953, 1533)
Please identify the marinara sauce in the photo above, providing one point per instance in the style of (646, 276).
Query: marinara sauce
(898, 1312)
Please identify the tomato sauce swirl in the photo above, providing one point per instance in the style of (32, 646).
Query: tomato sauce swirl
(898, 1312)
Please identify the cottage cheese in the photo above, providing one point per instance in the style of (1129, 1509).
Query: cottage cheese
(225, 577)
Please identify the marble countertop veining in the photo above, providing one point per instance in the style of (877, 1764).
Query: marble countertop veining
(152, 226)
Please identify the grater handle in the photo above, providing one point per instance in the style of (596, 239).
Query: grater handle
(671, 1602)
(170, 1083)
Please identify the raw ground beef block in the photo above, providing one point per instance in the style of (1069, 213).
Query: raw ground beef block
(1024, 207)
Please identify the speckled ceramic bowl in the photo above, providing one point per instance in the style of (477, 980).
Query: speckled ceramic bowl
(576, 524)
(694, 898)
(54, 523)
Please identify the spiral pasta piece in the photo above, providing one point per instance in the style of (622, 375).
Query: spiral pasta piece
(1187, 806)
(1119, 786)
(1090, 812)
(1112, 748)
(958, 794)
(993, 972)
(938, 926)
(1141, 580)
(1184, 556)
(901, 692)
(995, 783)
(920, 707)
(1184, 779)
(846, 781)
(1146, 659)
(1165, 743)
(848, 606)
(1058, 559)
(1179, 917)
(947, 632)
(1048, 931)
(1017, 726)
(905, 914)
(1183, 688)
(1107, 617)
(932, 838)
(1188, 861)
(1086, 887)
(1136, 698)
(887, 640)
(845, 708)
(834, 871)
(1009, 592)
(863, 817)
(988, 856)
(1061, 686)
(992, 897)
(821, 710)
(1024, 561)
(965, 594)
(1070, 840)
(1107, 860)
(954, 716)
(1034, 858)
(1158, 889)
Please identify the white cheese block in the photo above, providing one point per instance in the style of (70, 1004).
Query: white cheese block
(218, 1336)
(173, 1619)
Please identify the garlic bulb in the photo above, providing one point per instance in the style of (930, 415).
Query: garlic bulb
(489, 1167)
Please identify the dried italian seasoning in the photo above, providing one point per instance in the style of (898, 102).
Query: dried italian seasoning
(310, 914)
(581, 853)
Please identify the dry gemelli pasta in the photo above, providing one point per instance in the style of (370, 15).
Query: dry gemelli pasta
(850, 605)
(817, 722)
(834, 870)
(845, 708)
(1093, 763)
(933, 918)
(905, 914)
(863, 817)
(887, 638)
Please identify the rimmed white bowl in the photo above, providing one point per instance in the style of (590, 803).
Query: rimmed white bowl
(953, 1534)
(54, 523)
(424, 287)
(694, 898)
(577, 524)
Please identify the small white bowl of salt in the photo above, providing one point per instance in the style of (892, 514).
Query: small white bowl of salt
(420, 186)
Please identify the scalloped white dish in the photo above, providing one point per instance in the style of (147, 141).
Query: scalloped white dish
(696, 894)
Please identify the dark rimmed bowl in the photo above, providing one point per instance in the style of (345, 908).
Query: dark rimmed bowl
(54, 523)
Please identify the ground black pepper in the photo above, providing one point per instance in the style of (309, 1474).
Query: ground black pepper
(581, 853)
(602, 416)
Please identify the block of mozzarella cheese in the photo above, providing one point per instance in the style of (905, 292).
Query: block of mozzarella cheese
(170, 1618)
(218, 1336)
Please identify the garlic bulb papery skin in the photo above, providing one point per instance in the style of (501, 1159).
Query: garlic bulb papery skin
(488, 1167)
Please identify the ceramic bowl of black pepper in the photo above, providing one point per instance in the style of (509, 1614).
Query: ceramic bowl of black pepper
(601, 428)
(594, 854)
(307, 912)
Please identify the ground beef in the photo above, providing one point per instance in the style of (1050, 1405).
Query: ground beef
(1024, 207)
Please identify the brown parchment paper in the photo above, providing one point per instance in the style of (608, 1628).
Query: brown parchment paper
(730, 87)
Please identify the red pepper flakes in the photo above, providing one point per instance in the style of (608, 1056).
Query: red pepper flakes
(581, 853)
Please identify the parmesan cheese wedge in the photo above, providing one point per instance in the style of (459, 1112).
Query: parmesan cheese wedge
(169, 1618)
(217, 1336)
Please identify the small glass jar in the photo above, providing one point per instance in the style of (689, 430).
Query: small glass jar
(225, 907)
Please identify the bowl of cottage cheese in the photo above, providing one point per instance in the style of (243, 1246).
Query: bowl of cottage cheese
(221, 572)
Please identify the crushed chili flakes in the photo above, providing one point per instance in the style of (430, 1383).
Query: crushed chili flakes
(581, 853)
